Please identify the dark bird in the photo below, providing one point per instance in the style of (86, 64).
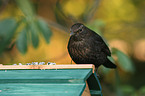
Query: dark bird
(86, 47)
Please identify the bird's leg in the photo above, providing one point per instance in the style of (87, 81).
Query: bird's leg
(96, 70)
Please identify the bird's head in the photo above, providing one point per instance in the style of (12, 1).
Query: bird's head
(77, 29)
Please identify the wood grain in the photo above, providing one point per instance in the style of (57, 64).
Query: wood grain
(78, 66)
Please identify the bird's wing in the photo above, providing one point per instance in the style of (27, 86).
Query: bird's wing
(106, 49)
(99, 41)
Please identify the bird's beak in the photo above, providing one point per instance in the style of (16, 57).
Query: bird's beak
(72, 33)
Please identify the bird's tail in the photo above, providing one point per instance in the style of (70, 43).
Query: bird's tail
(109, 64)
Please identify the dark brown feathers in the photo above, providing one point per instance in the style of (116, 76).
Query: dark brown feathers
(87, 47)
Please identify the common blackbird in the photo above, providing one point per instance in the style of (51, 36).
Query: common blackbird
(87, 47)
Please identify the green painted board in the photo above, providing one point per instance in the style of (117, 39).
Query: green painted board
(67, 82)
(23, 89)
(45, 74)
(61, 82)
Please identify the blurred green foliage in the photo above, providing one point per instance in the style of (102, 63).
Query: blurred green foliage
(32, 27)
(7, 30)
(22, 41)
(124, 61)
(46, 32)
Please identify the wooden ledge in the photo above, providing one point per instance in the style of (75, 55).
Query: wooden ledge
(78, 66)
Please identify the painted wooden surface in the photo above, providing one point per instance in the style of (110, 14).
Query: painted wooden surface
(78, 66)
(46, 82)
(30, 76)
(36, 89)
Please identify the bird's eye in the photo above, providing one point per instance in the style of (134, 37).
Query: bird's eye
(80, 30)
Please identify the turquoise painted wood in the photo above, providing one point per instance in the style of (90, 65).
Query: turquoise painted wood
(23, 89)
(62, 82)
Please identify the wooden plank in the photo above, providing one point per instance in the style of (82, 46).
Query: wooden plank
(60, 82)
(58, 89)
(66, 76)
(78, 66)
(51, 76)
